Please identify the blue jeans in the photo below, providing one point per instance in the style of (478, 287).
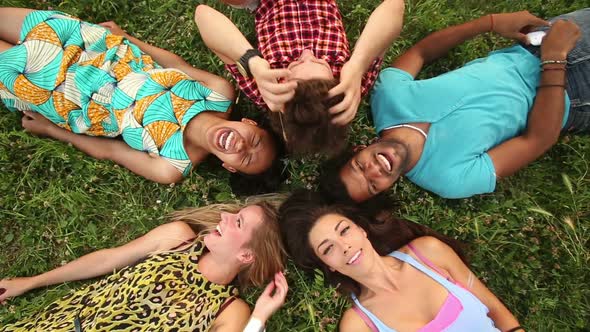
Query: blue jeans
(578, 73)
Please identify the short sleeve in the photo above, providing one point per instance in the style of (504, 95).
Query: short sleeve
(247, 86)
(474, 177)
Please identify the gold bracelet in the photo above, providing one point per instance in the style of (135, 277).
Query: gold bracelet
(553, 62)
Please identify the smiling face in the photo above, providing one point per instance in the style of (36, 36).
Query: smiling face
(234, 232)
(374, 169)
(340, 244)
(309, 67)
(242, 146)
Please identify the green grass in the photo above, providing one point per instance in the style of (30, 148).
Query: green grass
(56, 204)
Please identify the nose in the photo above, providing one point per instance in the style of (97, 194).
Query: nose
(240, 144)
(306, 54)
(346, 248)
(372, 170)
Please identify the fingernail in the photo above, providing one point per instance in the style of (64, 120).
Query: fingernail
(2, 291)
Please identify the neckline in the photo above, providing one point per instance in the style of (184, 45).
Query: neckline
(414, 263)
(422, 132)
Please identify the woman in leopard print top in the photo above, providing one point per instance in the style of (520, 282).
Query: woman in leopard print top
(171, 279)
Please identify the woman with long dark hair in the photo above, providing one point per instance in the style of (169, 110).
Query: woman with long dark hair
(401, 276)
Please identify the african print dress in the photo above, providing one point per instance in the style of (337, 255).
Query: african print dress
(165, 292)
(89, 81)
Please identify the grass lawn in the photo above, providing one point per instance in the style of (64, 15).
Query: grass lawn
(528, 241)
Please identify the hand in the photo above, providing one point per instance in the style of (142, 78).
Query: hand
(14, 287)
(351, 78)
(516, 25)
(37, 124)
(560, 40)
(268, 303)
(275, 94)
(114, 28)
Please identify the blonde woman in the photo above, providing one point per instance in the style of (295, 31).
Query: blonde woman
(183, 275)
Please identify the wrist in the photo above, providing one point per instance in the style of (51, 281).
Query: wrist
(261, 316)
(553, 56)
(254, 325)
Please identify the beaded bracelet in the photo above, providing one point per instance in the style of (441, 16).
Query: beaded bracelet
(491, 22)
(552, 68)
(514, 329)
(553, 62)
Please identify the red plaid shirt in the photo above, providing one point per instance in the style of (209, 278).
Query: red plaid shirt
(287, 27)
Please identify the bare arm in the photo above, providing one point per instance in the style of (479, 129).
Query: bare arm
(445, 257)
(441, 42)
(225, 40)
(382, 28)
(153, 168)
(103, 261)
(168, 59)
(545, 118)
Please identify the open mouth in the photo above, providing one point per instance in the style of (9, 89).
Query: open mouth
(226, 139)
(385, 161)
(355, 258)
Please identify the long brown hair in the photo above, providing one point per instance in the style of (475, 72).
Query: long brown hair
(304, 208)
(269, 254)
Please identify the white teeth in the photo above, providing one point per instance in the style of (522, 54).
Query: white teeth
(385, 161)
(228, 140)
(219, 230)
(221, 139)
(354, 258)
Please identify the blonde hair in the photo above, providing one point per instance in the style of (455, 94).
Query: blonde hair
(266, 244)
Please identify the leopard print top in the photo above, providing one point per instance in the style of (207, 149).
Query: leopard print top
(164, 292)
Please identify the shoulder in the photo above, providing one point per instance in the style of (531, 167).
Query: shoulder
(172, 234)
(352, 321)
(440, 253)
(234, 317)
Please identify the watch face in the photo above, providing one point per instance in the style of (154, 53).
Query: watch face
(241, 69)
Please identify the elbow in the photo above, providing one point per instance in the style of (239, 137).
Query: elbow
(200, 13)
(169, 177)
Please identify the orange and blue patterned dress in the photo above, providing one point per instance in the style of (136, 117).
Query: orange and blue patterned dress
(89, 81)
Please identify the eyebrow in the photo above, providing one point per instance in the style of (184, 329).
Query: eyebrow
(361, 174)
(326, 240)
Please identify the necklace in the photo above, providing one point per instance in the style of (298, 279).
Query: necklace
(411, 127)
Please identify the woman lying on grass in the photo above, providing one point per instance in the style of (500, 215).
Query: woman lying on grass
(402, 276)
(71, 77)
(172, 278)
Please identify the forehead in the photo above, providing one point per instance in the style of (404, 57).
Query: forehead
(311, 70)
(324, 228)
(252, 215)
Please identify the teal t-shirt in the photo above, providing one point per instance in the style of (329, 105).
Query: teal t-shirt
(471, 110)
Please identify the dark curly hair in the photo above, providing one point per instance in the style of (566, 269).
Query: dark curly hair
(304, 208)
(306, 123)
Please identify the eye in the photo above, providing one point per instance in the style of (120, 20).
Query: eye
(239, 222)
(374, 187)
(344, 230)
(258, 142)
(328, 249)
(358, 164)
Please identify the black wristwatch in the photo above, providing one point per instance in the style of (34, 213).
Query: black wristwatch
(242, 63)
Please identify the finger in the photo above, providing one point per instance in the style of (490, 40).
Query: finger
(343, 118)
(338, 89)
(538, 22)
(279, 88)
(521, 37)
(341, 106)
(269, 288)
(278, 73)
(277, 99)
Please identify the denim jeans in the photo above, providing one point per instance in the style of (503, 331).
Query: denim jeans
(578, 73)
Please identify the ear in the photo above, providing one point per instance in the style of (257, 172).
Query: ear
(229, 168)
(246, 256)
(358, 148)
(249, 121)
